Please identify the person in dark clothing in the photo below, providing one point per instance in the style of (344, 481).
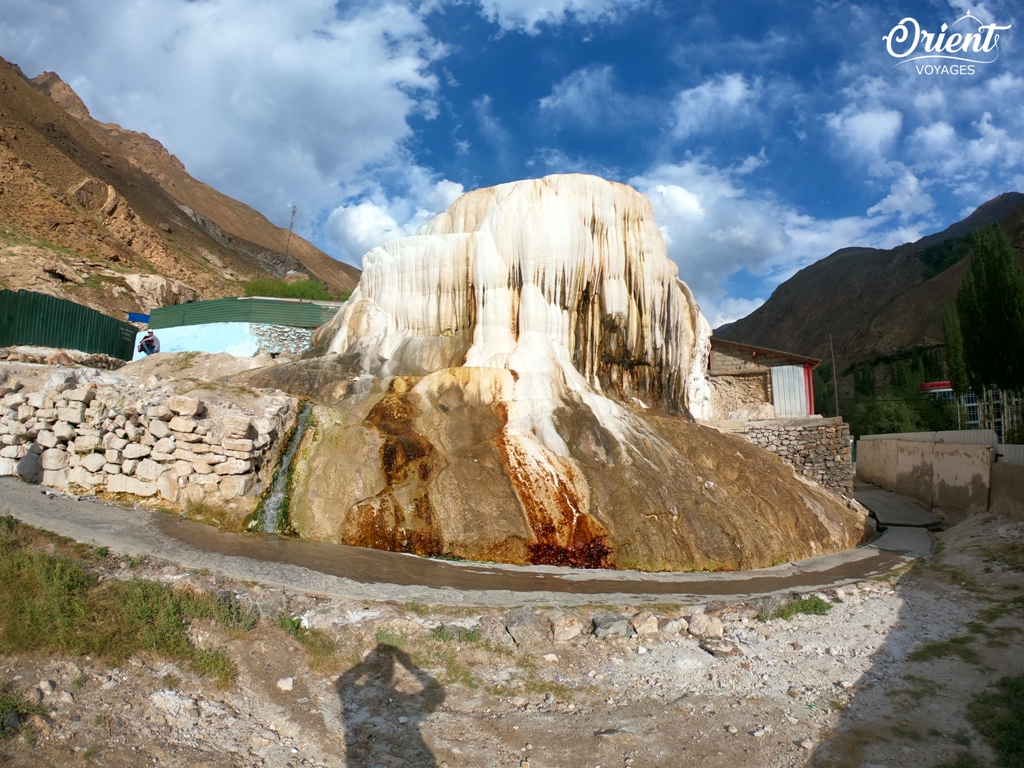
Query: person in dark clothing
(149, 344)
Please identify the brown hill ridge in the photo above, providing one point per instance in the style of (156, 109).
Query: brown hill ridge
(111, 219)
(875, 303)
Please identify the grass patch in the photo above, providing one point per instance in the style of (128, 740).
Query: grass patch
(321, 649)
(52, 602)
(205, 512)
(904, 731)
(963, 760)
(813, 606)
(1010, 556)
(955, 646)
(13, 709)
(392, 637)
(998, 714)
(920, 687)
(445, 634)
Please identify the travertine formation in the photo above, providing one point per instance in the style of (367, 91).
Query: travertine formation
(120, 440)
(517, 382)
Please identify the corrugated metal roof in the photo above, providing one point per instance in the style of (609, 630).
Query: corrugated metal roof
(297, 313)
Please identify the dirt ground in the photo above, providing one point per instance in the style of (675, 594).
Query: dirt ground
(873, 682)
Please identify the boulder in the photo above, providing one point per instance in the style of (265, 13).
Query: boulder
(136, 451)
(164, 445)
(612, 624)
(132, 485)
(168, 486)
(233, 426)
(149, 470)
(8, 467)
(180, 424)
(30, 468)
(233, 467)
(46, 438)
(564, 626)
(73, 414)
(702, 625)
(159, 429)
(186, 406)
(644, 623)
(55, 478)
(84, 395)
(233, 486)
(86, 444)
(83, 477)
(525, 626)
(93, 462)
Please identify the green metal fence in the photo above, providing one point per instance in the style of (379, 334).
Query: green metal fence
(297, 313)
(45, 321)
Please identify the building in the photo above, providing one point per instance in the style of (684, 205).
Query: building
(995, 409)
(241, 326)
(752, 383)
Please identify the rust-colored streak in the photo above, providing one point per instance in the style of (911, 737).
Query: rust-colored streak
(564, 534)
(402, 446)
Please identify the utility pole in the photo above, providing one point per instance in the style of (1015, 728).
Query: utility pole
(835, 385)
(288, 242)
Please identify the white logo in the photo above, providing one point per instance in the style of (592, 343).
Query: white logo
(973, 43)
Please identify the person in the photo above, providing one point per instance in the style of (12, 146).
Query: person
(149, 344)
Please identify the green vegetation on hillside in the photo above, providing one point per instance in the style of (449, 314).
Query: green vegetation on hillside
(887, 396)
(303, 289)
(938, 258)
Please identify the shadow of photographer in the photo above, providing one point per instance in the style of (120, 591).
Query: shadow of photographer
(382, 710)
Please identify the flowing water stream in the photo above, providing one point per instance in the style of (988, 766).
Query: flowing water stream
(272, 504)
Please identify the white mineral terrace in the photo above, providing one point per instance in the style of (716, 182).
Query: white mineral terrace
(561, 280)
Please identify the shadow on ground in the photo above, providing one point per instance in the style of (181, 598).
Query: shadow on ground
(384, 700)
(960, 630)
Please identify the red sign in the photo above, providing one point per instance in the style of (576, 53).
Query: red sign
(931, 386)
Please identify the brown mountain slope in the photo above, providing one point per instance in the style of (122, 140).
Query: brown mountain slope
(874, 303)
(230, 215)
(83, 220)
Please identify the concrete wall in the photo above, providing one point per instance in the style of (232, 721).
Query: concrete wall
(238, 339)
(1007, 496)
(954, 479)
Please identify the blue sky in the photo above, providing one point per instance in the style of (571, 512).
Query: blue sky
(766, 134)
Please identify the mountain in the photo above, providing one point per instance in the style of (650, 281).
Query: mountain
(109, 218)
(877, 304)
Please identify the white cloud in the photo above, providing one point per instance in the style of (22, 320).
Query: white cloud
(270, 102)
(715, 227)
(907, 197)
(867, 134)
(589, 97)
(724, 99)
(528, 15)
(725, 310)
(356, 227)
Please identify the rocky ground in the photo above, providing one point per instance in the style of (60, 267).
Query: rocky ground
(882, 678)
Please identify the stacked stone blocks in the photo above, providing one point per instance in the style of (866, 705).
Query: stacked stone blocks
(83, 437)
(819, 449)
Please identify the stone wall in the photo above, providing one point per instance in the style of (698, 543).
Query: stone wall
(176, 446)
(817, 448)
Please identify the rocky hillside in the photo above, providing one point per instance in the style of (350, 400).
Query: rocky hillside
(875, 303)
(109, 218)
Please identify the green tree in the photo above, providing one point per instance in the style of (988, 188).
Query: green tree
(990, 307)
(955, 351)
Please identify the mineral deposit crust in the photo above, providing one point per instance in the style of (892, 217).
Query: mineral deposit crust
(518, 383)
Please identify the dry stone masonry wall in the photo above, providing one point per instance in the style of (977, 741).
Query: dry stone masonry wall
(168, 445)
(819, 449)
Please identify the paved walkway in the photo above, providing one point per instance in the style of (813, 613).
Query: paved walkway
(905, 522)
(331, 569)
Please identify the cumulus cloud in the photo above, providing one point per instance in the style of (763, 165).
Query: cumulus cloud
(715, 227)
(723, 99)
(529, 15)
(867, 134)
(907, 197)
(270, 102)
(358, 226)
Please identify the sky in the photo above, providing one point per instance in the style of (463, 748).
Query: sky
(766, 134)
